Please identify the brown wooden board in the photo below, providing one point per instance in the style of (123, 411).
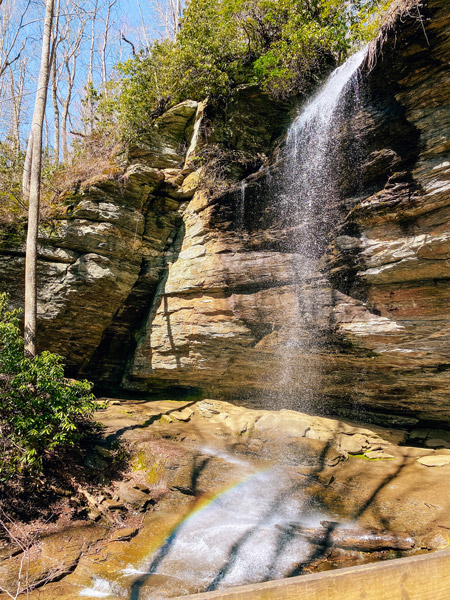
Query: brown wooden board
(424, 577)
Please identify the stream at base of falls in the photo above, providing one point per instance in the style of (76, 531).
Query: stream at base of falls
(214, 495)
(242, 532)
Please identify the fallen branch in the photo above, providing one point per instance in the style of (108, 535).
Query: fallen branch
(95, 504)
(365, 540)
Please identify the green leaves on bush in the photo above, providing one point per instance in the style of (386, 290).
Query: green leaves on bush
(283, 45)
(11, 168)
(40, 409)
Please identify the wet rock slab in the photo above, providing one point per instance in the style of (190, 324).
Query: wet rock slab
(241, 481)
(50, 559)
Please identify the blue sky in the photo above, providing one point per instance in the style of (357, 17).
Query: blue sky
(128, 12)
(125, 19)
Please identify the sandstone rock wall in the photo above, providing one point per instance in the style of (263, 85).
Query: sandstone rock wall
(99, 265)
(102, 265)
(396, 255)
(382, 333)
(149, 282)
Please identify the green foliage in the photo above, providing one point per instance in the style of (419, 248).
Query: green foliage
(40, 409)
(13, 208)
(146, 85)
(283, 45)
(11, 167)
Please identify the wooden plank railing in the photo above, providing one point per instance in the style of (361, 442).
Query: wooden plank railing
(422, 577)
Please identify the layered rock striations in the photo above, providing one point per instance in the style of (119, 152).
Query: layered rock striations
(394, 254)
(102, 265)
(99, 265)
(151, 280)
(381, 326)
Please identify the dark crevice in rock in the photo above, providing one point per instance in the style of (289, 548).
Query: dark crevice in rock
(108, 363)
(149, 310)
(231, 288)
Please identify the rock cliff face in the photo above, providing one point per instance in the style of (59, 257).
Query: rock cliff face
(383, 328)
(150, 283)
(102, 264)
(393, 250)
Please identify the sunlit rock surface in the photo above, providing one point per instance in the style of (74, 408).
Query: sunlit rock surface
(145, 287)
(383, 329)
(234, 496)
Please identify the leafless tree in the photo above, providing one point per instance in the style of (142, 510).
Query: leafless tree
(16, 89)
(92, 43)
(56, 40)
(88, 116)
(12, 59)
(169, 13)
(12, 22)
(57, 119)
(32, 182)
(71, 54)
(66, 46)
(110, 5)
(144, 29)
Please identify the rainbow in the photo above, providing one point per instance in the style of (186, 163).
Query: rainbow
(206, 500)
(200, 504)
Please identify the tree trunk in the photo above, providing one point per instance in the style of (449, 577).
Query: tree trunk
(32, 191)
(105, 42)
(89, 116)
(16, 97)
(55, 112)
(27, 170)
(66, 106)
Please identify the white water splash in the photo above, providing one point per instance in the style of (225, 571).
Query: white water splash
(101, 588)
(241, 207)
(308, 208)
(322, 106)
(227, 456)
(243, 536)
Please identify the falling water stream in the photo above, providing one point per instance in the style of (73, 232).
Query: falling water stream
(308, 199)
(236, 538)
(309, 186)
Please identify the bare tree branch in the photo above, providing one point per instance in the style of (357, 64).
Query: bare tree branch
(133, 50)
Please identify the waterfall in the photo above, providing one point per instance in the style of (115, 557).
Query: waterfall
(247, 532)
(241, 207)
(307, 205)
